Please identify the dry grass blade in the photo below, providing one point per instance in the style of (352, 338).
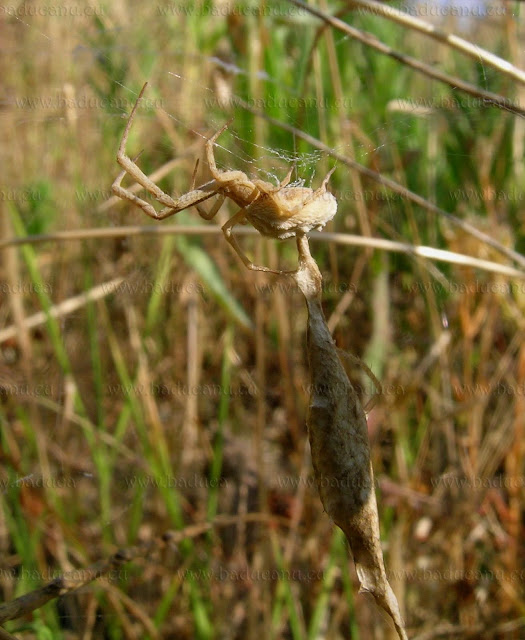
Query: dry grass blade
(456, 83)
(340, 448)
(474, 51)
(64, 308)
(349, 239)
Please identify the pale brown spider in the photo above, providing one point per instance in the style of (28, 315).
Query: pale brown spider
(275, 211)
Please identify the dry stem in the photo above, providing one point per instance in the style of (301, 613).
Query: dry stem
(340, 448)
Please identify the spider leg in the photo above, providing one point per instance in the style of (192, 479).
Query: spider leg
(208, 215)
(194, 175)
(304, 253)
(125, 194)
(344, 355)
(240, 218)
(130, 167)
(210, 156)
(171, 206)
(124, 141)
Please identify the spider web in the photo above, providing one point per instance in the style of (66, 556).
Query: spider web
(270, 163)
(99, 53)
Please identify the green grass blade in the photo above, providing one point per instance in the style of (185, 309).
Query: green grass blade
(207, 270)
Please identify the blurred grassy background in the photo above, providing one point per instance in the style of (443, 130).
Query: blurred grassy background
(181, 392)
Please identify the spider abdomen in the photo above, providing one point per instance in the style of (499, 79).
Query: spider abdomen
(291, 210)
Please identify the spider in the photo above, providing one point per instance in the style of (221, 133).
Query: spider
(275, 211)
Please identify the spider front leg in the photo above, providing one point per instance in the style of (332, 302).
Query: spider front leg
(210, 155)
(171, 206)
(224, 178)
(240, 218)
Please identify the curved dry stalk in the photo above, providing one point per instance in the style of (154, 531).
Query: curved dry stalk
(338, 436)
(470, 49)
(348, 239)
(372, 41)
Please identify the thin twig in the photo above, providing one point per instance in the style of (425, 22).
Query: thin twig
(427, 70)
(337, 238)
(455, 42)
